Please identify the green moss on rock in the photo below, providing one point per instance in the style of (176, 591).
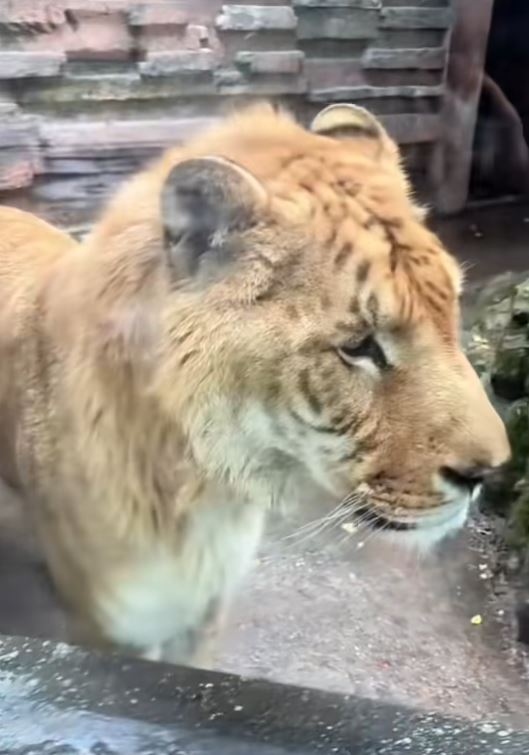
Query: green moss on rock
(518, 525)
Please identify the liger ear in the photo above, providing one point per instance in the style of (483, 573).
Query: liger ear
(206, 204)
(351, 122)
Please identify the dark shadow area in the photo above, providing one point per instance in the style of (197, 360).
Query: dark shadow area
(489, 240)
(500, 163)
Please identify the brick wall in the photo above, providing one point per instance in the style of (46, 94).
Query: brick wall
(89, 89)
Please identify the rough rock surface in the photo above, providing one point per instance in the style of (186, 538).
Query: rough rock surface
(498, 345)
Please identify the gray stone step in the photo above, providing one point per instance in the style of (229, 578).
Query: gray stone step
(56, 699)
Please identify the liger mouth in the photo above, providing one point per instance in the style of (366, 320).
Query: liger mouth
(376, 521)
(371, 509)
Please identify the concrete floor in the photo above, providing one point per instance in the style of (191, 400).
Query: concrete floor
(355, 617)
(378, 622)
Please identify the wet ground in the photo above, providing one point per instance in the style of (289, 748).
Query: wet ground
(382, 623)
(356, 616)
(488, 239)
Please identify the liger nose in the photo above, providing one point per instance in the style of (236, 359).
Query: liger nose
(468, 478)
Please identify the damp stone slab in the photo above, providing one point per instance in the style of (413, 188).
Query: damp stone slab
(59, 700)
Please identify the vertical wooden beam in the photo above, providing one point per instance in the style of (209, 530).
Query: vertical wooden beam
(453, 154)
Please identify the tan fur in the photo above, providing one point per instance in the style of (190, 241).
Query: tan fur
(157, 418)
(28, 249)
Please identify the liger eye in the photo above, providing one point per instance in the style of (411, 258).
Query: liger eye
(368, 348)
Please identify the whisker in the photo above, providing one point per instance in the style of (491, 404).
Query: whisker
(299, 538)
(351, 507)
(325, 525)
(347, 506)
(377, 531)
(365, 530)
(361, 525)
(314, 523)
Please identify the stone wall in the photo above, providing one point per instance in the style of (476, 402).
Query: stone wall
(89, 89)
